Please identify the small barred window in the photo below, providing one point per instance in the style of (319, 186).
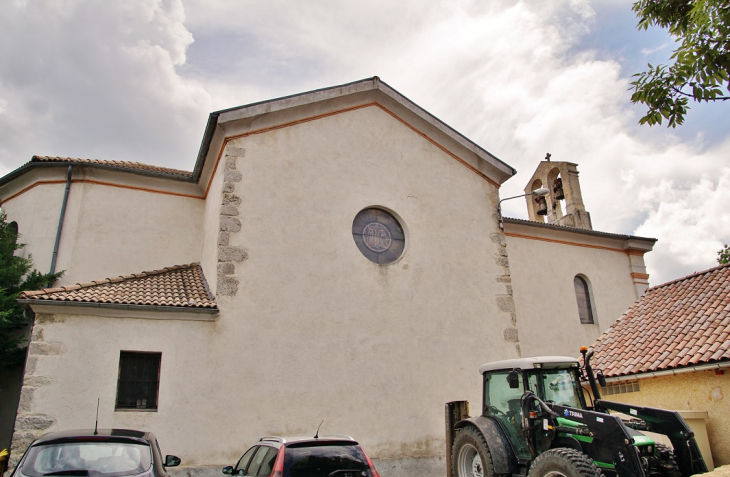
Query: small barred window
(620, 387)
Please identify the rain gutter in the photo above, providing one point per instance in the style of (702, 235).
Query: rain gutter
(120, 306)
(669, 372)
(60, 220)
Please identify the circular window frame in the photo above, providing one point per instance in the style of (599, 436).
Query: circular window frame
(392, 241)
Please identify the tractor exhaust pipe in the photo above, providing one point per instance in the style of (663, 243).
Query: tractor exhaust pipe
(587, 355)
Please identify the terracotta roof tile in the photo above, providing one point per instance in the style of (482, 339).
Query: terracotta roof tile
(179, 286)
(132, 166)
(683, 322)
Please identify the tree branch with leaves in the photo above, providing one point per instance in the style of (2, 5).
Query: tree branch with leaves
(723, 255)
(16, 275)
(701, 68)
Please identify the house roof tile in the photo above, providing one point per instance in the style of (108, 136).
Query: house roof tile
(680, 323)
(181, 286)
(127, 165)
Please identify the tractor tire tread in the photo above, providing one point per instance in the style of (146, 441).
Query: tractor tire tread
(476, 435)
(581, 463)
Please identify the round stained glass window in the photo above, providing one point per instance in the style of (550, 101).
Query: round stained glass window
(378, 236)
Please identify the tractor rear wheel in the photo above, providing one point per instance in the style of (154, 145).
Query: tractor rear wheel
(470, 456)
(563, 462)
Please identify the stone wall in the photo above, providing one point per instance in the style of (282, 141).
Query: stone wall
(29, 424)
(230, 223)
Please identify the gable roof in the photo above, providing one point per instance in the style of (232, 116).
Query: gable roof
(682, 323)
(375, 84)
(182, 287)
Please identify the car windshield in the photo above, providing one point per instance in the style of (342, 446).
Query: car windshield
(323, 460)
(111, 459)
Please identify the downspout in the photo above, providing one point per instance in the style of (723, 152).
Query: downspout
(60, 220)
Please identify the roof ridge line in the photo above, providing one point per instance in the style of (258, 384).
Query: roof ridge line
(43, 159)
(692, 275)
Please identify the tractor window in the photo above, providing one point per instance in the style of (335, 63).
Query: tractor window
(557, 386)
(499, 398)
(503, 403)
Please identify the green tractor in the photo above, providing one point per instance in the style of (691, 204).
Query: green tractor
(536, 422)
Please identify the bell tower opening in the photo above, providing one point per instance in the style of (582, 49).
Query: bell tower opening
(564, 204)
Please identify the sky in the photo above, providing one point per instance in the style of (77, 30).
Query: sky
(136, 80)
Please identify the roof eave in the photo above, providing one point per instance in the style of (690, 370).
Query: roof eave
(668, 372)
(595, 233)
(119, 306)
(28, 166)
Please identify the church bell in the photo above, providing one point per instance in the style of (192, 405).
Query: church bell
(541, 205)
(558, 189)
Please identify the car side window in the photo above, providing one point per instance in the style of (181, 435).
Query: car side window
(268, 463)
(257, 460)
(244, 460)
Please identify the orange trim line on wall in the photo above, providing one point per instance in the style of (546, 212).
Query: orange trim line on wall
(260, 131)
(31, 186)
(643, 276)
(333, 113)
(565, 242)
(110, 184)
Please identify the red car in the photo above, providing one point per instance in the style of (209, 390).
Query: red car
(327, 456)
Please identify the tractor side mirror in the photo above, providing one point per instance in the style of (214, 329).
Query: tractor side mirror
(601, 378)
(513, 377)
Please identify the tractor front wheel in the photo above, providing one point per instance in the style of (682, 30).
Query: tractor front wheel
(563, 462)
(470, 456)
(666, 462)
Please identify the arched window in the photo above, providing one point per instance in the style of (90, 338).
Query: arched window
(583, 296)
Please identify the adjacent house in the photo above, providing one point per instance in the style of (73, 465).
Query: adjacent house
(336, 255)
(671, 350)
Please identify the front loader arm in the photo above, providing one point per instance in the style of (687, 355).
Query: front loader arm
(616, 444)
(669, 423)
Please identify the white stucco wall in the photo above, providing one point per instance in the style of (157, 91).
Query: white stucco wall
(315, 331)
(108, 231)
(210, 228)
(36, 212)
(542, 277)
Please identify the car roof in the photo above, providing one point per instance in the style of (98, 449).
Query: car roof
(303, 439)
(546, 362)
(82, 433)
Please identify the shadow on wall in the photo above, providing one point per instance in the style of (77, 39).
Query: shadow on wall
(11, 380)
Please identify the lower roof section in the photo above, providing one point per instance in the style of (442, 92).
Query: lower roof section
(181, 288)
(528, 229)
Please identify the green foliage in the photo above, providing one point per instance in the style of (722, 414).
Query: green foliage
(701, 66)
(16, 275)
(723, 255)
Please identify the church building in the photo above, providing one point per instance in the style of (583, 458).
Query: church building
(337, 255)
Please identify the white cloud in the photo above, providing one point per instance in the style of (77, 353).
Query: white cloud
(97, 79)
(135, 81)
(693, 216)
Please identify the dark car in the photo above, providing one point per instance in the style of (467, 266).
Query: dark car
(327, 456)
(104, 453)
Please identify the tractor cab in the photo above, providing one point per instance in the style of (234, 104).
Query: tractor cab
(554, 379)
